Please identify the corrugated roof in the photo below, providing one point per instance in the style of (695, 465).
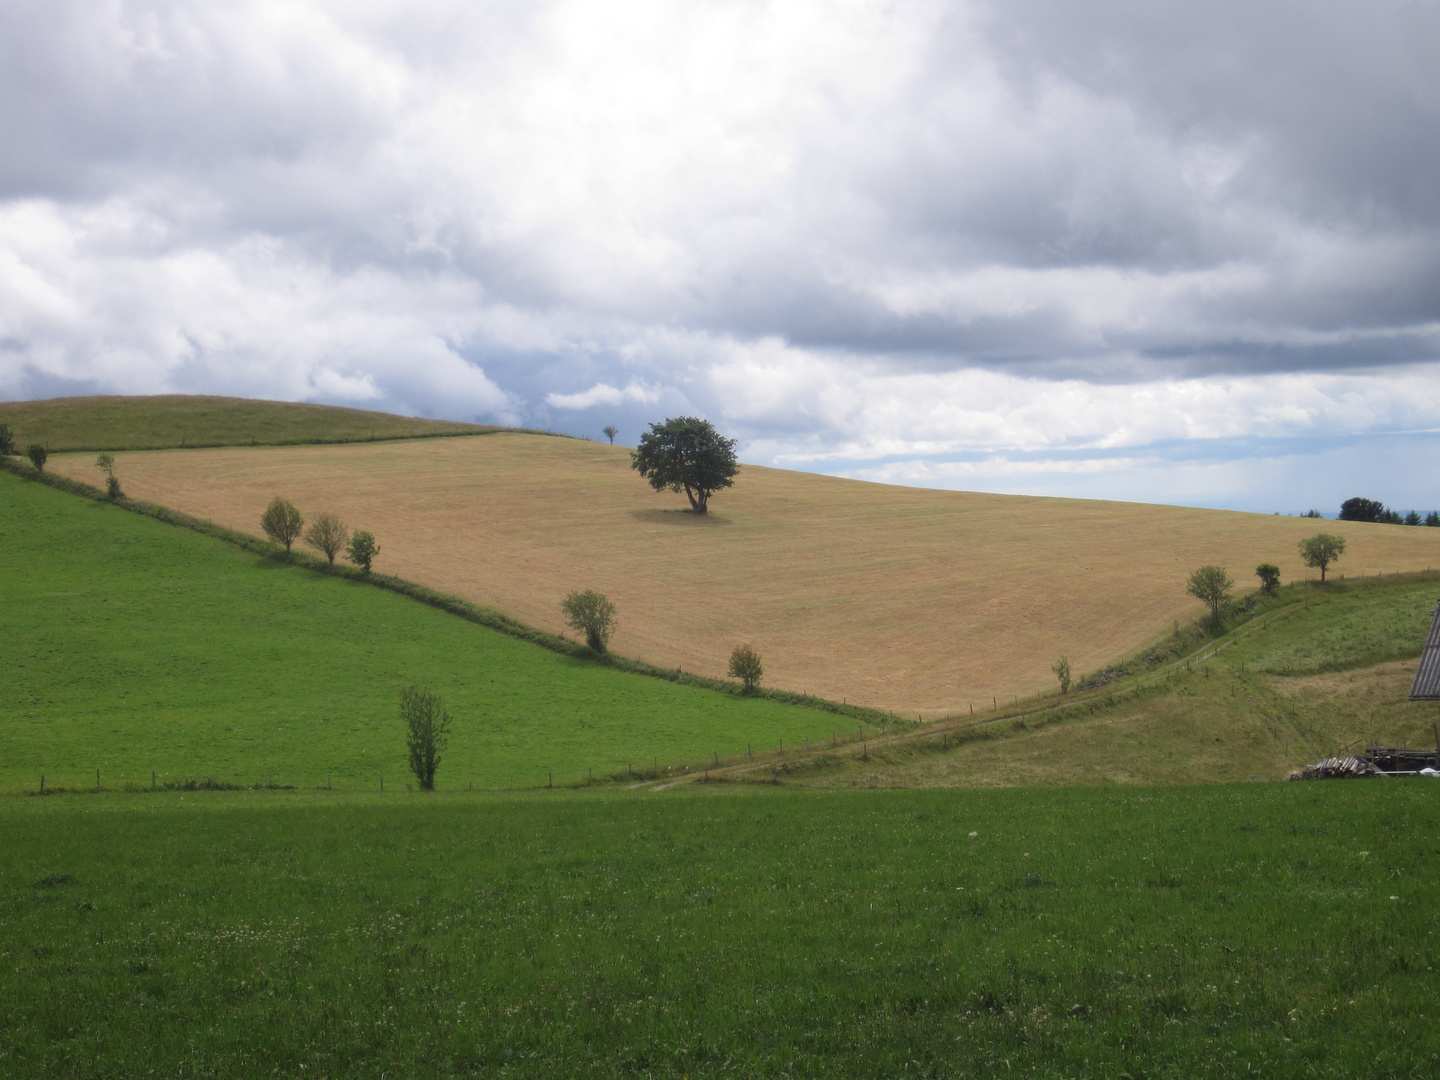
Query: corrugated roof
(1427, 678)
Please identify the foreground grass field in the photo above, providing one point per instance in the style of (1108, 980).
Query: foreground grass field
(132, 423)
(1329, 673)
(1266, 930)
(911, 600)
(132, 646)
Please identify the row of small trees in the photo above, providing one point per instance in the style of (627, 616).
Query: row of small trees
(327, 534)
(1212, 586)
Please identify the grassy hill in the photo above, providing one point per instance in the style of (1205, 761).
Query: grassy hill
(1329, 672)
(905, 599)
(132, 646)
(1258, 930)
(172, 420)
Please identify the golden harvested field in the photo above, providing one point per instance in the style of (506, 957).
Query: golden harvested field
(909, 599)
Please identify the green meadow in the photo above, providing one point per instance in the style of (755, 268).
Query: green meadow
(172, 420)
(134, 647)
(1279, 930)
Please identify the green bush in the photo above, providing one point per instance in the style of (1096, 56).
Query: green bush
(37, 455)
(591, 614)
(7, 441)
(1269, 575)
(362, 549)
(745, 665)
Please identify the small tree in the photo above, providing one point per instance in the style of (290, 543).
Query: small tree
(427, 730)
(686, 454)
(1269, 575)
(1061, 668)
(1321, 550)
(1211, 586)
(745, 665)
(37, 455)
(1312, 514)
(106, 464)
(282, 522)
(327, 534)
(1412, 518)
(362, 549)
(7, 441)
(591, 614)
(610, 431)
(1433, 518)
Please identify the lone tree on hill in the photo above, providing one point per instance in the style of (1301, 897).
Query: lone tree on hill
(37, 455)
(362, 549)
(1358, 509)
(610, 431)
(745, 665)
(591, 614)
(1269, 575)
(427, 730)
(282, 522)
(686, 454)
(1321, 550)
(327, 534)
(1211, 586)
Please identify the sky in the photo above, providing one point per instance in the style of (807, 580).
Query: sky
(1166, 252)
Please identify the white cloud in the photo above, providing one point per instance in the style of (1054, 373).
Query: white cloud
(603, 394)
(855, 230)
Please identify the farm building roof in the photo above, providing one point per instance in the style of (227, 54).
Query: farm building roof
(1427, 679)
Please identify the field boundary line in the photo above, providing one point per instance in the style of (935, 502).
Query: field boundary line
(770, 769)
(454, 605)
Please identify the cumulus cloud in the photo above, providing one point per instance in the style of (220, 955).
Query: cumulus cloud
(855, 231)
(603, 394)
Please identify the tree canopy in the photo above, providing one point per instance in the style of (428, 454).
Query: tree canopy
(1321, 550)
(282, 522)
(1269, 575)
(1211, 585)
(1358, 509)
(686, 454)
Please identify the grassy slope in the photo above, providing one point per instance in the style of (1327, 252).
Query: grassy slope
(899, 598)
(134, 646)
(1271, 930)
(1335, 674)
(132, 423)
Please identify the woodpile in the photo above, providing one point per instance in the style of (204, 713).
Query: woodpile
(1336, 768)
(1380, 761)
